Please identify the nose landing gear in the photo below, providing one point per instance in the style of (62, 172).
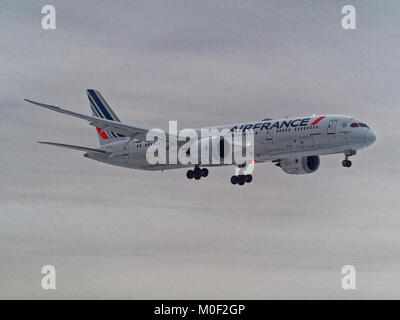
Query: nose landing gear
(197, 173)
(346, 162)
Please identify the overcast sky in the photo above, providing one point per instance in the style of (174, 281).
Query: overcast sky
(119, 233)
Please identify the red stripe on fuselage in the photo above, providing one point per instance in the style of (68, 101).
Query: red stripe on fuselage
(316, 121)
(102, 133)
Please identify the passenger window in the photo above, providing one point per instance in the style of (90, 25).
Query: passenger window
(354, 125)
(363, 125)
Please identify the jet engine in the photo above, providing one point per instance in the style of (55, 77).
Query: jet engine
(299, 165)
(218, 149)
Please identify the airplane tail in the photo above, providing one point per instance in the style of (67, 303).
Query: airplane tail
(101, 109)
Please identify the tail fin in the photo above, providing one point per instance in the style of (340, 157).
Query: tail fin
(101, 109)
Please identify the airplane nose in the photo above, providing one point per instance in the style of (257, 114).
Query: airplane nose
(369, 137)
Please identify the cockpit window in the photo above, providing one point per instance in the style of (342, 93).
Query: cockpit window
(354, 125)
(363, 125)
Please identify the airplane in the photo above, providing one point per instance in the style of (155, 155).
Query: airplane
(293, 144)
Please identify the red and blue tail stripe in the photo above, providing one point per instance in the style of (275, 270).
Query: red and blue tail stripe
(101, 109)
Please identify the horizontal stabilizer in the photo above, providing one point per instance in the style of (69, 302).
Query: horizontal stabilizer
(69, 146)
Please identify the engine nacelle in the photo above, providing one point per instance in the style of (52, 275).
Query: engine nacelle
(218, 149)
(299, 165)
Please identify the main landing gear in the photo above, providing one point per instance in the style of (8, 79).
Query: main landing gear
(241, 179)
(243, 173)
(197, 173)
(346, 162)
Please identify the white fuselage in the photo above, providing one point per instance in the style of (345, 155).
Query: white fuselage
(273, 139)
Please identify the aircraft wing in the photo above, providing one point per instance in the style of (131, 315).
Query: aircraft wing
(118, 127)
(69, 146)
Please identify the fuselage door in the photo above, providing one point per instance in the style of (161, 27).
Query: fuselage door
(268, 136)
(125, 150)
(332, 127)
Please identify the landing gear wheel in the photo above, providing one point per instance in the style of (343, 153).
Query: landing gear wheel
(190, 174)
(346, 163)
(248, 178)
(234, 179)
(241, 180)
(197, 173)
